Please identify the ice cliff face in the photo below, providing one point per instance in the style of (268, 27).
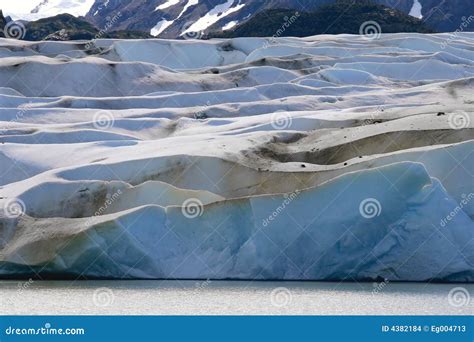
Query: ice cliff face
(324, 158)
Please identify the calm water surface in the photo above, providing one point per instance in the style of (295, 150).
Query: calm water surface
(236, 298)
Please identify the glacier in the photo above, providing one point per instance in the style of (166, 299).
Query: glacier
(318, 158)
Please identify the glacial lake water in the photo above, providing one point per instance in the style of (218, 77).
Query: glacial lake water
(233, 298)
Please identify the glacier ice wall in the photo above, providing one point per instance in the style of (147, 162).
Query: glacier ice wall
(323, 158)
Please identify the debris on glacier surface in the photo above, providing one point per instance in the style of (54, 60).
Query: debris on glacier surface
(319, 158)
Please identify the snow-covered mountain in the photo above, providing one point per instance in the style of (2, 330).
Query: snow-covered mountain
(37, 9)
(175, 18)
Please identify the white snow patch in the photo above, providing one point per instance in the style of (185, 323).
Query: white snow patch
(188, 5)
(229, 25)
(167, 4)
(416, 9)
(213, 16)
(160, 27)
(24, 9)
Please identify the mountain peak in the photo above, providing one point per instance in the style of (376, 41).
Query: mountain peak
(31, 10)
(333, 18)
(195, 18)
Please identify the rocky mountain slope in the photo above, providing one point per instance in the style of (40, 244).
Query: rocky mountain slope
(68, 27)
(178, 18)
(329, 19)
(172, 18)
(3, 22)
(449, 15)
(61, 28)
